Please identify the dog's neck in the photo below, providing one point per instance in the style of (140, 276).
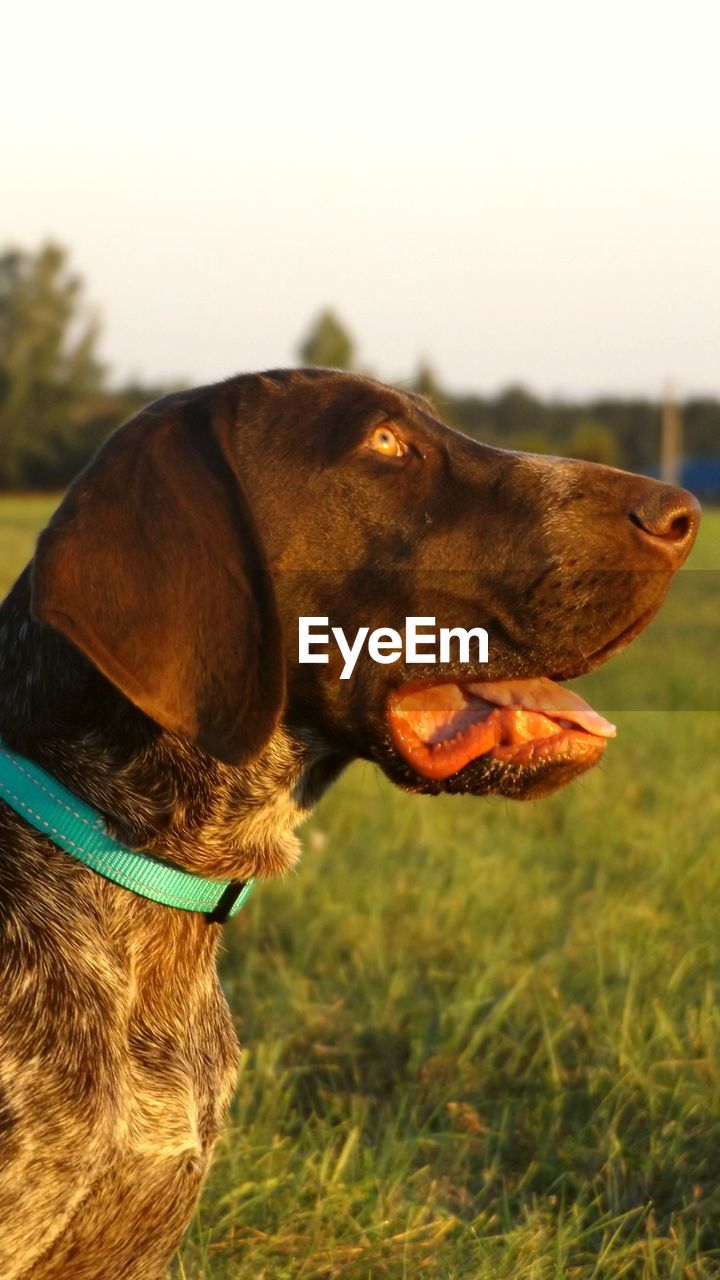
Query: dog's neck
(157, 791)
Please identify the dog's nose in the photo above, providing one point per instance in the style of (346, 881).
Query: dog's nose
(668, 516)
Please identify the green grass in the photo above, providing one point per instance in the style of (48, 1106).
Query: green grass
(20, 520)
(482, 1040)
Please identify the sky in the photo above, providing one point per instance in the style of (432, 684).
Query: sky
(517, 191)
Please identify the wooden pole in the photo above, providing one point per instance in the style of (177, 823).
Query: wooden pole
(670, 438)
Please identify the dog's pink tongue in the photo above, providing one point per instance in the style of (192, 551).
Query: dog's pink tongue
(439, 728)
(543, 695)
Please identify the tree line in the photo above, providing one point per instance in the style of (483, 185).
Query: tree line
(57, 404)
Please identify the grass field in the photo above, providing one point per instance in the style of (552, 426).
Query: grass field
(483, 1040)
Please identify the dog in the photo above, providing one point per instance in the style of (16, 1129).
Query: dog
(149, 666)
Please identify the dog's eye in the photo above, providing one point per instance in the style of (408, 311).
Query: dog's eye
(384, 441)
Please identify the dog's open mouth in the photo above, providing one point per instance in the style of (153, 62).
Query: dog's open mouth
(439, 728)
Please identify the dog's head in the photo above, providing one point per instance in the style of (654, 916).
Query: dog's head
(183, 558)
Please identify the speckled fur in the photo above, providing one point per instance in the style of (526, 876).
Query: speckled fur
(117, 1050)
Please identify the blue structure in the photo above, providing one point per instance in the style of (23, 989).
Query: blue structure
(700, 475)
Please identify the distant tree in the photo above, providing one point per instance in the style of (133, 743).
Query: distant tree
(594, 443)
(48, 364)
(530, 442)
(92, 421)
(702, 427)
(328, 344)
(475, 416)
(425, 382)
(517, 410)
(635, 427)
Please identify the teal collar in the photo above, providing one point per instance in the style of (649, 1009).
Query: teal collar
(80, 831)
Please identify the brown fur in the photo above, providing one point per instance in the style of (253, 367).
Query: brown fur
(147, 660)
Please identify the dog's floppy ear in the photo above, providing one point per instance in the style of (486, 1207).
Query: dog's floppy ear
(153, 567)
